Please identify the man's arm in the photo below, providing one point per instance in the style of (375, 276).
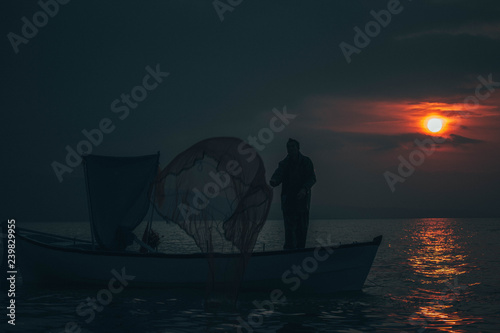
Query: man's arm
(277, 176)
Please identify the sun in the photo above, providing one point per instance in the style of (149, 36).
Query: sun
(434, 124)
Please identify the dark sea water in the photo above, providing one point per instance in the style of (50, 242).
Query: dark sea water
(430, 275)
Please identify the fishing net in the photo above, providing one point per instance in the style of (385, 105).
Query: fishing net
(118, 192)
(217, 193)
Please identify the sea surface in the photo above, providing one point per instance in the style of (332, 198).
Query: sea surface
(430, 275)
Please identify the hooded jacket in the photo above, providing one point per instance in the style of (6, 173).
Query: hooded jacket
(294, 176)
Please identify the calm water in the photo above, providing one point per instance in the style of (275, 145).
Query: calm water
(429, 275)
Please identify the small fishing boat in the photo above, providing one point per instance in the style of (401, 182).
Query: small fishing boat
(216, 188)
(51, 259)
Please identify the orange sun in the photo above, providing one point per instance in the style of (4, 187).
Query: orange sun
(434, 124)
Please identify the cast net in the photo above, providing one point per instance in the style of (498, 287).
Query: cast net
(217, 193)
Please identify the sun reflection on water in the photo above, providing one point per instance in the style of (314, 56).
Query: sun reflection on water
(437, 259)
(439, 251)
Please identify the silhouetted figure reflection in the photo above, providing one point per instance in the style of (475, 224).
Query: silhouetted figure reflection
(296, 173)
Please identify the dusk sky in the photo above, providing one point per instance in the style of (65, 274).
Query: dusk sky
(359, 99)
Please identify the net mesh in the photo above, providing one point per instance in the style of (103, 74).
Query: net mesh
(119, 190)
(217, 193)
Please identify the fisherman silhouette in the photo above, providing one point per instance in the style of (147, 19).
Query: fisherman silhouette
(296, 174)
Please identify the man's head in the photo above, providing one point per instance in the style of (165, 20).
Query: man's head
(292, 148)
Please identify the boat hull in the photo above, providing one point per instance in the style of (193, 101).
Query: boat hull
(44, 260)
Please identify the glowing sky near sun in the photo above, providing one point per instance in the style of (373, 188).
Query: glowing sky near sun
(400, 117)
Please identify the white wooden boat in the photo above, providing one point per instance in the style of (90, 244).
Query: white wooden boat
(121, 190)
(51, 259)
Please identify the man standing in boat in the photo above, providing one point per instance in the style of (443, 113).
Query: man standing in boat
(296, 173)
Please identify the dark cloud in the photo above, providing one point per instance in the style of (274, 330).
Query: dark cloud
(486, 29)
(459, 113)
(374, 142)
(458, 140)
(381, 142)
